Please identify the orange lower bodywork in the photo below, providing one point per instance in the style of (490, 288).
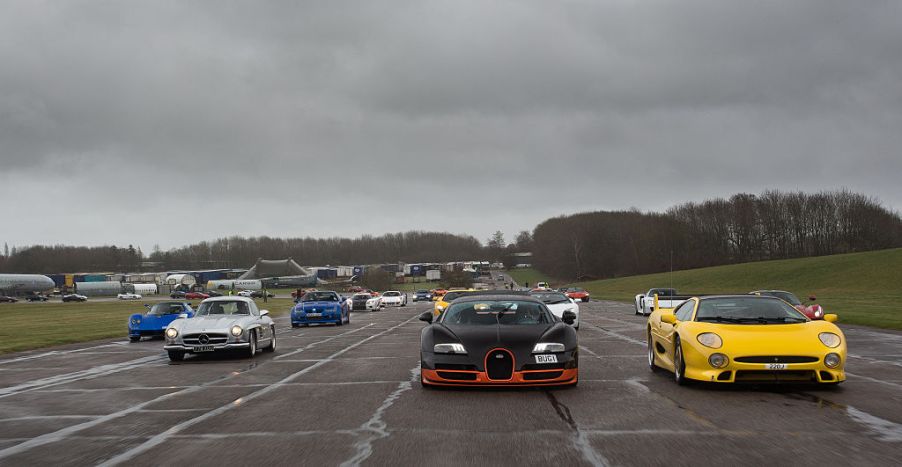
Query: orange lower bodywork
(567, 377)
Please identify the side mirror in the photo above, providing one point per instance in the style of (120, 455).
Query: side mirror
(812, 298)
(183, 315)
(568, 317)
(831, 317)
(669, 319)
(426, 316)
(264, 312)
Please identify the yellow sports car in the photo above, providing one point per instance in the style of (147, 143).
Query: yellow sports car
(744, 338)
(442, 303)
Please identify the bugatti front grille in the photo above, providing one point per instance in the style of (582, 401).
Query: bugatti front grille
(499, 364)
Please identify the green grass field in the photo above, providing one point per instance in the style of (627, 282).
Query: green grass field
(29, 326)
(862, 288)
(529, 275)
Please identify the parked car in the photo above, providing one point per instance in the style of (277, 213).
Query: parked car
(422, 295)
(8, 299)
(36, 298)
(156, 319)
(221, 324)
(813, 311)
(394, 298)
(196, 296)
(128, 296)
(177, 294)
(74, 297)
(245, 293)
(321, 307)
(260, 293)
(213, 293)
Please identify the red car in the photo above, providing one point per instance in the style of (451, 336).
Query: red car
(196, 296)
(813, 311)
(577, 293)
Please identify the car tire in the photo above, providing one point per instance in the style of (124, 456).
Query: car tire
(295, 325)
(176, 355)
(651, 352)
(252, 344)
(586, 300)
(134, 338)
(340, 321)
(679, 364)
(272, 342)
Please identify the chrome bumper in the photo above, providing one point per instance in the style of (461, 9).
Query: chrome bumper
(190, 348)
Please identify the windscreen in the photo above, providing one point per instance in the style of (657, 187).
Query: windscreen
(551, 298)
(492, 312)
(391, 294)
(750, 310)
(166, 309)
(320, 297)
(663, 292)
(453, 295)
(361, 296)
(575, 289)
(223, 308)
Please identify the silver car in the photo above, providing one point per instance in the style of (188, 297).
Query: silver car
(221, 323)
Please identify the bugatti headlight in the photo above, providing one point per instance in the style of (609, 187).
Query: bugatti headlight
(718, 360)
(548, 347)
(236, 330)
(172, 333)
(832, 360)
(829, 339)
(709, 339)
(449, 348)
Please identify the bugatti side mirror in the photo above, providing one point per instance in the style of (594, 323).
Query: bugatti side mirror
(426, 316)
(568, 317)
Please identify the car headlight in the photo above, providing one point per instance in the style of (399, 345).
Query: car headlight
(136, 320)
(172, 333)
(236, 330)
(709, 339)
(718, 360)
(829, 339)
(832, 360)
(449, 348)
(548, 347)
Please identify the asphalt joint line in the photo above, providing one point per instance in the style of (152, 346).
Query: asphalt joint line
(579, 437)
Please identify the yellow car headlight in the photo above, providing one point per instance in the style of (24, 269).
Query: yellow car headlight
(829, 339)
(709, 339)
(172, 333)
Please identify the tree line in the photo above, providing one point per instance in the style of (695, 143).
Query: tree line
(745, 227)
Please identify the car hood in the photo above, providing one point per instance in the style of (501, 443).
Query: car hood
(771, 339)
(317, 305)
(558, 309)
(210, 324)
(478, 340)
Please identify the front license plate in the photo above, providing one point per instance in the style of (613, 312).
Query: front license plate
(776, 366)
(202, 348)
(314, 315)
(546, 358)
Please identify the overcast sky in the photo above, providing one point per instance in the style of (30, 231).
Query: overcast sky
(173, 122)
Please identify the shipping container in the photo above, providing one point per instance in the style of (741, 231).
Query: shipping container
(70, 280)
(96, 278)
(433, 275)
(59, 280)
(145, 289)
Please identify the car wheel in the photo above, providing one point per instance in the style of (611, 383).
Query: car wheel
(176, 355)
(679, 365)
(272, 342)
(340, 321)
(252, 348)
(295, 325)
(651, 352)
(586, 300)
(134, 338)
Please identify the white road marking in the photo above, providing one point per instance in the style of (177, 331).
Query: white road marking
(90, 373)
(375, 426)
(314, 344)
(884, 429)
(175, 429)
(617, 335)
(58, 352)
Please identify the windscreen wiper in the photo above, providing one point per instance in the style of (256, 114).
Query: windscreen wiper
(719, 319)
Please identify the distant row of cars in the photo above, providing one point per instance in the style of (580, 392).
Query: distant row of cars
(43, 298)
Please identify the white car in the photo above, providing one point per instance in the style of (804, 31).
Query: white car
(221, 324)
(394, 298)
(365, 302)
(667, 298)
(129, 296)
(558, 303)
(246, 293)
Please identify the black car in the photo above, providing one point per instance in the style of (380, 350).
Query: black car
(74, 297)
(177, 294)
(7, 299)
(259, 294)
(36, 298)
(213, 293)
(498, 340)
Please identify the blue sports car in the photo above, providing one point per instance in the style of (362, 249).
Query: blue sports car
(320, 307)
(157, 318)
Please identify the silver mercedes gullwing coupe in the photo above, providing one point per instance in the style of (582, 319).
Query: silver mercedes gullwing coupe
(221, 324)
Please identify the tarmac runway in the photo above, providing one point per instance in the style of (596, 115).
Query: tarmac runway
(350, 395)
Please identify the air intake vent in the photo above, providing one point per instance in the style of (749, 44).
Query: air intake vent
(776, 359)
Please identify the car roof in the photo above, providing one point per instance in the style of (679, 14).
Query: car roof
(497, 296)
(226, 298)
(756, 297)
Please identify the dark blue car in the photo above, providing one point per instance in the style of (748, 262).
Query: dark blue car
(320, 307)
(422, 296)
(157, 318)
